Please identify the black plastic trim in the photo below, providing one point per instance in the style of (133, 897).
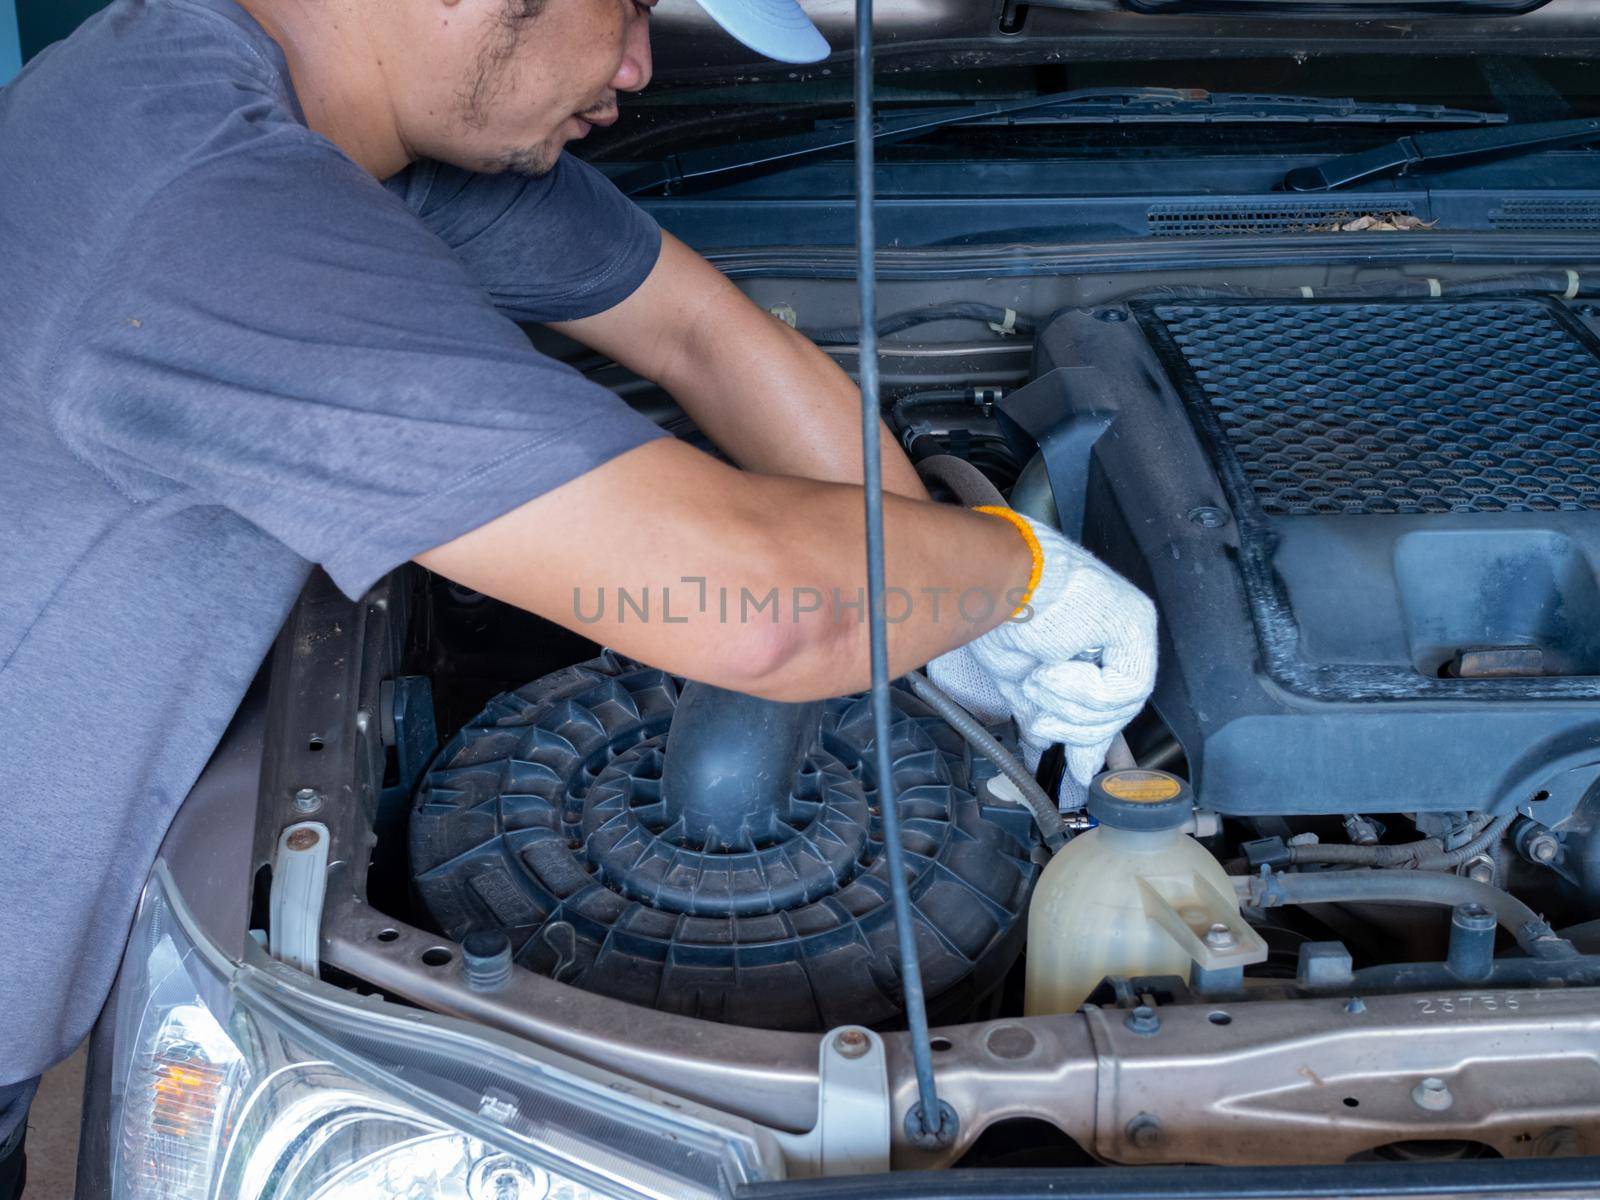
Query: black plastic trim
(1480, 1177)
(1500, 248)
(1359, 9)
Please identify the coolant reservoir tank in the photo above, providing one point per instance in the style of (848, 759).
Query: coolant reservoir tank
(1135, 895)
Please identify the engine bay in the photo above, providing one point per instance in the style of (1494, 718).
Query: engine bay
(1363, 500)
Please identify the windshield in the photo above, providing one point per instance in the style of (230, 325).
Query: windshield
(674, 118)
(1057, 144)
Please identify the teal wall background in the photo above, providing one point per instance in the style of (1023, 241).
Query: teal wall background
(41, 22)
(10, 45)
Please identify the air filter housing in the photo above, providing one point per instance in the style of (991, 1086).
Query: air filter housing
(547, 817)
(1371, 530)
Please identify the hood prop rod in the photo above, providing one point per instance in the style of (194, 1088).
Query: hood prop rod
(930, 1122)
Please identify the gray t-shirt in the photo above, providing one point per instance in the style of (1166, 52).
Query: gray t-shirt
(227, 354)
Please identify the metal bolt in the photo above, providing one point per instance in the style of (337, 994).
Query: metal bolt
(1144, 1131)
(1432, 1094)
(363, 720)
(1112, 315)
(308, 800)
(852, 1043)
(1544, 847)
(1220, 937)
(1355, 1006)
(1208, 516)
(486, 959)
(302, 839)
(1479, 868)
(1143, 1021)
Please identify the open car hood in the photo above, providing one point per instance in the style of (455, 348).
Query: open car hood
(979, 33)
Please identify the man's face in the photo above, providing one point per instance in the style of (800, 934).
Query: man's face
(518, 80)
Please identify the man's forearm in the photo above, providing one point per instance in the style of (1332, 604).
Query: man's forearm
(766, 396)
(751, 582)
(777, 404)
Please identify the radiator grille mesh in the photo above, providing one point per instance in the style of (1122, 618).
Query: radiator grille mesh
(1455, 406)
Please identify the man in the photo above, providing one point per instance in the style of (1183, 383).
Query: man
(252, 323)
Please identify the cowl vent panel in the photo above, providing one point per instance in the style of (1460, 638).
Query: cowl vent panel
(1265, 216)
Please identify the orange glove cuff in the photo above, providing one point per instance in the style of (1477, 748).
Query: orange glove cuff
(1020, 522)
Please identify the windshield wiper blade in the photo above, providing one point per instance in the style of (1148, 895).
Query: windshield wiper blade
(1206, 108)
(677, 170)
(1441, 151)
(1106, 105)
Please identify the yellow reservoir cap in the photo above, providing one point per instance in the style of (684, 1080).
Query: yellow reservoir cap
(1140, 800)
(1141, 787)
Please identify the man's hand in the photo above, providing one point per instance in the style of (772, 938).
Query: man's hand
(1074, 669)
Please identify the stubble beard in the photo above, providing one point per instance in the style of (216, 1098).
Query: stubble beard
(496, 63)
(534, 161)
(530, 163)
(493, 81)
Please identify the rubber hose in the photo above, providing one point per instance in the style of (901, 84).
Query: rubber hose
(1454, 858)
(1408, 854)
(1497, 854)
(1533, 283)
(1119, 757)
(1556, 283)
(1532, 934)
(900, 410)
(1365, 856)
(1045, 814)
(970, 485)
(961, 310)
(1539, 284)
(1542, 284)
(934, 396)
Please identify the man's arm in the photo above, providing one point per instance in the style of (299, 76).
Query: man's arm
(771, 400)
(752, 582)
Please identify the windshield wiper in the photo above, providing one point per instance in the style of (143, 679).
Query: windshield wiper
(1106, 106)
(1441, 151)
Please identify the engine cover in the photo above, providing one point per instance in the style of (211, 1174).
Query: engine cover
(1371, 530)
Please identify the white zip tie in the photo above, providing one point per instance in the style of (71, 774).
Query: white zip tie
(1306, 292)
(1572, 285)
(1006, 327)
(1435, 288)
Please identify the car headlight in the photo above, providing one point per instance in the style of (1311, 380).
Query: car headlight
(235, 1081)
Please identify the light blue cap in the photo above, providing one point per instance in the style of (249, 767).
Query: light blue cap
(778, 29)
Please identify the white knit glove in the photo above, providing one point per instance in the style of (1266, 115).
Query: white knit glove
(1075, 668)
(959, 676)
